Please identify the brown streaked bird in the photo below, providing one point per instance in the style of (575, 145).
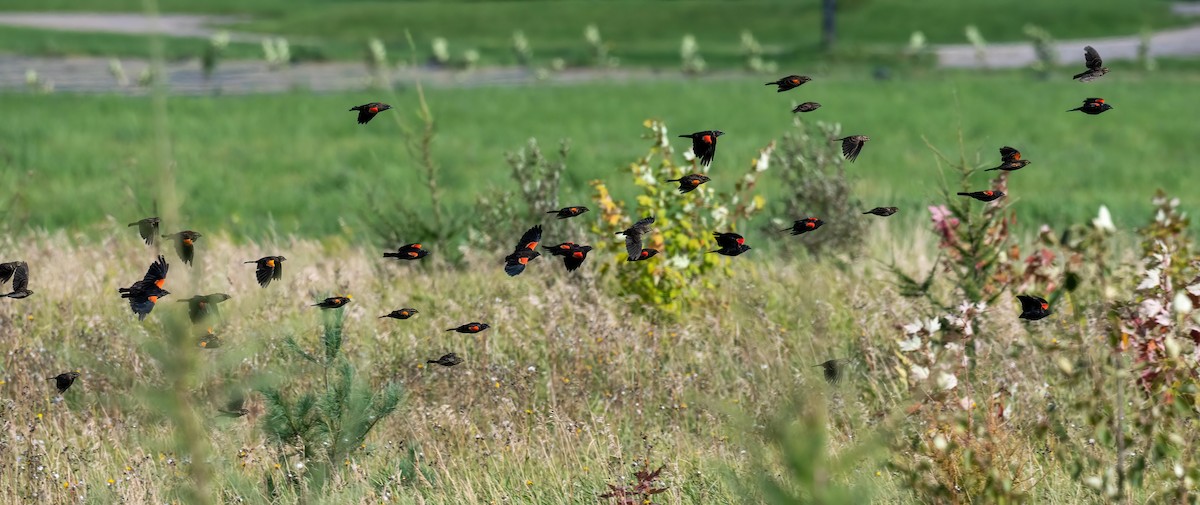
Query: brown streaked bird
(208, 340)
(18, 271)
(1010, 159)
(404, 313)
(471, 327)
(144, 294)
(63, 381)
(790, 82)
(882, 211)
(852, 145)
(185, 244)
(269, 268)
(1095, 66)
(643, 255)
(148, 229)
(807, 107)
(333, 302)
(567, 212)
(805, 225)
(704, 145)
(832, 370)
(690, 182)
(1092, 106)
(730, 244)
(200, 307)
(574, 258)
(984, 196)
(1033, 307)
(448, 359)
(236, 407)
(633, 239)
(367, 112)
(525, 252)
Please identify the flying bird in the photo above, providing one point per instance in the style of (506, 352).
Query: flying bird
(208, 340)
(1010, 159)
(63, 381)
(882, 211)
(1033, 307)
(561, 249)
(730, 244)
(367, 112)
(790, 82)
(269, 268)
(1095, 66)
(200, 307)
(449, 359)
(852, 145)
(984, 196)
(644, 254)
(704, 145)
(574, 258)
(1092, 106)
(566, 212)
(470, 328)
(144, 294)
(18, 271)
(236, 407)
(633, 239)
(807, 107)
(689, 182)
(333, 302)
(832, 370)
(185, 244)
(404, 313)
(515, 263)
(148, 229)
(408, 252)
(805, 225)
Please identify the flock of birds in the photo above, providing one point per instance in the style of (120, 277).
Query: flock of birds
(145, 294)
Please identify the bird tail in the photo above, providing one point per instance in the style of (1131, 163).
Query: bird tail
(787, 229)
(964, 194)
(133, 224)
(990, 169)
(431, 361)
(1081, 74)
(391, 255)
(776, 83)
(685, 136)
(1075, 109)
(251, 262)
(674, 180)
(553, 212)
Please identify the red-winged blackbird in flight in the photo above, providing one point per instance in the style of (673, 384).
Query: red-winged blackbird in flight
(560, 249)
(269, 268)
(408, 252)
(574, 258)
(143, 294)
(1010, 159)
(1095, 65)
(208, 340)
(690, 182)
(185, 244)
(148, 229)
(202, 306)
(236, 407)
(804, 225)
(368, 111)
(852, 145)
(633, 239)
(882, 211)
(515, 263)
(470, 328)
(704, 145)
(18, 271)
(790, 82)
(644, 254)
(730, 244)
(400, 313)
(566, 212)
(1092, 106)
(984, 196)
(807, 107)
(833, 370)
(63, 381)
(450, 359)
(333, 302)
(1033, 307)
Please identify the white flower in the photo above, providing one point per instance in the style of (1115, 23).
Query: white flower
(912, 328)
(1150, 308)
(911, 345)
(1103, 221)
(947, 381)
(1182, 304)
(1150, 279)
(764, 161)
(648, 178)
(933, 325)
(680, 262)
(918, 372)
(720, 213)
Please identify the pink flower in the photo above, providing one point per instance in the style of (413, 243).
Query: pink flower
(944, 222)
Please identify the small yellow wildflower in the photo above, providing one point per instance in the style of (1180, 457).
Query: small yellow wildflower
(66, 484)
(528, 483)
(566, 380)
(111, 482)
(39, 415)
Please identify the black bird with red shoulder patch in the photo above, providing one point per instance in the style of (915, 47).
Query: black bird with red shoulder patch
(200, 307)
(704, 145)
(144, 294)
(730, 244)
(1033, 307)
(525, 252)
(1092, 106)
(560, 249)
(790, 82)
(408, 252)
(984, 196)
(1010, 159)
(643, 255)
(333, 302)
(185, 244)
(574, 258)
(805, 225)
(690, 182)
(268, 268)
(367, 112)
(404, 313)
(148, 229)
(472, 327)
(567, 212)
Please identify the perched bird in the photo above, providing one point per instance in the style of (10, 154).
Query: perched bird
(202, 306)
(807, 107)
(566, 212)
(882, 211)
(1095, 66)
(690, 182)
(1033, 307)
(470, 328)
(573, 259)
(561, 249)
(63, 381)
(790, 82)
(185, 242)
(408, 252)
(644, 254)
(449, 359)
(704, 145)
(143, 294)
(269, 268)
(804, 225)
(1092, 106)
(833, 370)
(208, 340)
(236, 407)
(18, 271)
(852, 145)
(633, 239)
(730, 244)
(1010, 159)
(333, 302)
(404, 313)
(366, 112)
(984, 196)
(515, 263)
(148, 229)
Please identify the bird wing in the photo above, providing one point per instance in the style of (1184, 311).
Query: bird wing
(264, 273)
(1092, 58)
(157, 271)
(20, 277)
(1009, 155)
(6, 271)
(530, 239)
(851, 146)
